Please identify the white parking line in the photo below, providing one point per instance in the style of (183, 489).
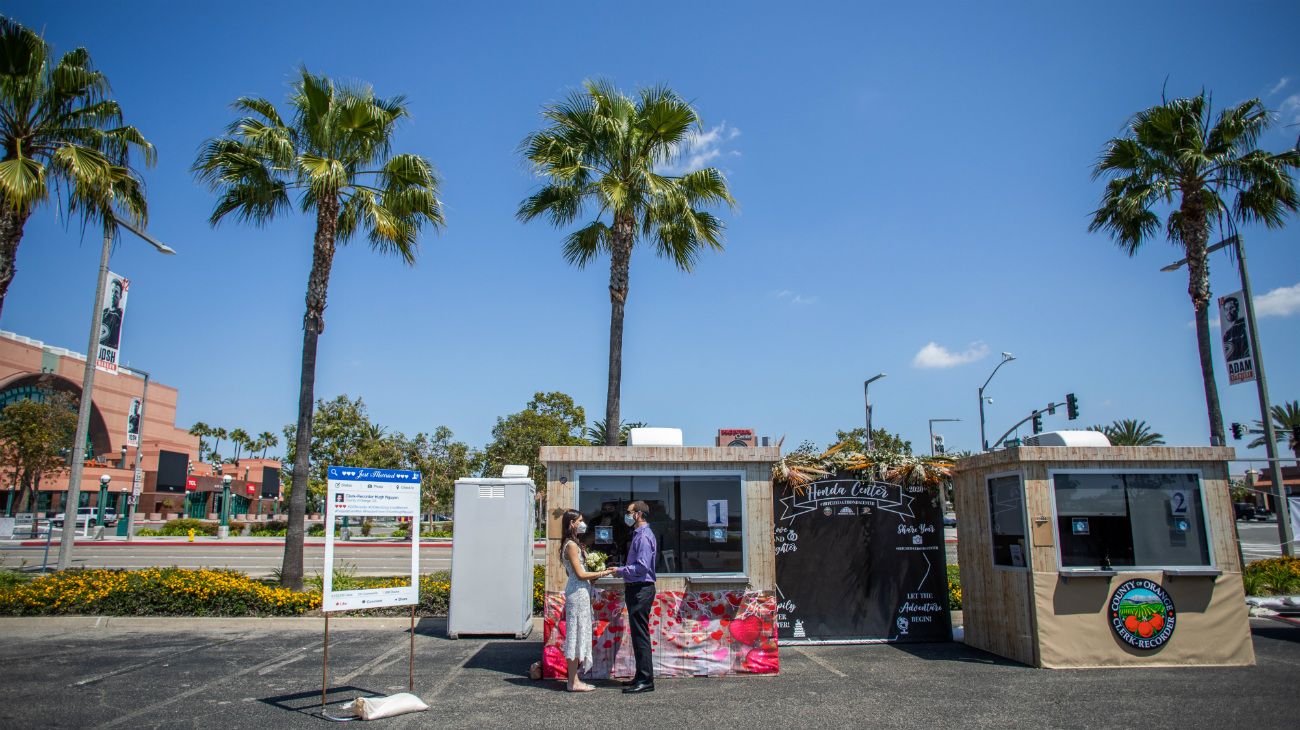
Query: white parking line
(202, 687)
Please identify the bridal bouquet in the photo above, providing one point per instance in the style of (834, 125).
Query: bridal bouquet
(596, 561)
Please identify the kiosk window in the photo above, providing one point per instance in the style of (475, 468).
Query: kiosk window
(1109, 519)
(1007, 521)
(696, 519)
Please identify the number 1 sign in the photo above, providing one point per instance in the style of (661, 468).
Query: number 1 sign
(717, 512)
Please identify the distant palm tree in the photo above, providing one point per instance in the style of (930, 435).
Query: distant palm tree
(599, 151)
(597, 435)
(202, 430)
(335, 153)
(218, 434)
(239, 437)
(1130, 432)
(1178, 153)
(59, 129)
(267, 440)
(1286, 425)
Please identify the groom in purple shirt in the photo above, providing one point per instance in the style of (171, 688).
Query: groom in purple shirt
(638, 576)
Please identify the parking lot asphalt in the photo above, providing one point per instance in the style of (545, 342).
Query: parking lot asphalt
(237, 674)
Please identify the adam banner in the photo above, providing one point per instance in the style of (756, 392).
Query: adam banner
(860, 561)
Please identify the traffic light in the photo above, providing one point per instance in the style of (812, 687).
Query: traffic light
(1051, 409)
(1071, 406)
(1238, 431)
(1038, 421)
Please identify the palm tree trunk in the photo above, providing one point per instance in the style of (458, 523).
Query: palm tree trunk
(619, 263)
(291, 569)
(1196, 233)
(11, 234)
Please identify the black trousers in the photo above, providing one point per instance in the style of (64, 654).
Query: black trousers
(639, 597)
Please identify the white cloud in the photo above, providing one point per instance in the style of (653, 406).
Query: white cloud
(1281, 84)
(934, 355)
(701, 149)
(793, 297)
(1281, 302)
(1289, 109)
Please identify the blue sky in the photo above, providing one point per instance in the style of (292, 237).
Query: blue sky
(914, 190)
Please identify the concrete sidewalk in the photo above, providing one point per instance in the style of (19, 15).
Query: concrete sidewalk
(270, 675)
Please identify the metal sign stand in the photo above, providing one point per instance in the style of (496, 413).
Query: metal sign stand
(325, 669)
(344, 496)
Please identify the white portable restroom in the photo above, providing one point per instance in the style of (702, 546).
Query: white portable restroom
(492, 557)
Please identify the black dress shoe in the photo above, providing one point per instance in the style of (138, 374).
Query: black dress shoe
(639, 687)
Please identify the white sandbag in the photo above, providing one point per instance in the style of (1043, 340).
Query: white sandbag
(375, 708)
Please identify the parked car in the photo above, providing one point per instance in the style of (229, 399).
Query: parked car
(91, 516)
(949, 519)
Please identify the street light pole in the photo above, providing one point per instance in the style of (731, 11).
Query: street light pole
(137, 481)
(225, 501)
(932, 422)
(67, 539)
(1006, 358)
(867, 402)
(103, 497)
(1261, 385)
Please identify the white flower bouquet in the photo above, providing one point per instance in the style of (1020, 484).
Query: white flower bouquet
(596, 561)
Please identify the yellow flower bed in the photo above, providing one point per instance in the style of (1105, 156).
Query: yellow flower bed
(182, 592)
(151, 592)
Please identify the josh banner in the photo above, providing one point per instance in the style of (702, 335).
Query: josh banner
(860, 560)
(1236, 339)
(361, 492)
(112, 309)
(133, 423)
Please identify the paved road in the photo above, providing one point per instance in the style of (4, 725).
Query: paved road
(255, 560)
(189, 677)
(1259, 540)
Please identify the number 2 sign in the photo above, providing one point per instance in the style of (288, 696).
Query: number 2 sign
(1178, 502)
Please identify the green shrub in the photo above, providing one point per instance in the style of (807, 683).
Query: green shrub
(147, 532)
(316, 531)
(272, 528)
(182, 527)
(9, 579)
(1272, 577)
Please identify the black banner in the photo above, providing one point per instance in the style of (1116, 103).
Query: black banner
(860, 560)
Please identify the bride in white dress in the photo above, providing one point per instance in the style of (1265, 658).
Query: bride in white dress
(577, 599)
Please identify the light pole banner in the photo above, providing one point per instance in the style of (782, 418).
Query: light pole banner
(133, 423)
(362, 492)
(112, 309)
(1236, 338)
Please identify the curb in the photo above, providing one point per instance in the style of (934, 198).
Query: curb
(213, 542)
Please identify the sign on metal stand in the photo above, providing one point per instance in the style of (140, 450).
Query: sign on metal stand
(364, 492)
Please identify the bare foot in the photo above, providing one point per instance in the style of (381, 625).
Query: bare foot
(580, 687)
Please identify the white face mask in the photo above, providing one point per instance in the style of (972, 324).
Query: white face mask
(582, 528)
(629, 519)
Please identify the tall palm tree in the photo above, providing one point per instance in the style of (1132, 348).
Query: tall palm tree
(1130, 432)
(1179, 153)
(239, 437)
(599, 151)
(202, 430)
(60, 130)
(1286, 425)
(267, 440)
(334, 152)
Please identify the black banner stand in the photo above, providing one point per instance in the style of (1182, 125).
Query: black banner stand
(860, 561)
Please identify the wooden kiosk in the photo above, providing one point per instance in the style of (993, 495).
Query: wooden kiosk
(711, 512)
(1102, 557)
